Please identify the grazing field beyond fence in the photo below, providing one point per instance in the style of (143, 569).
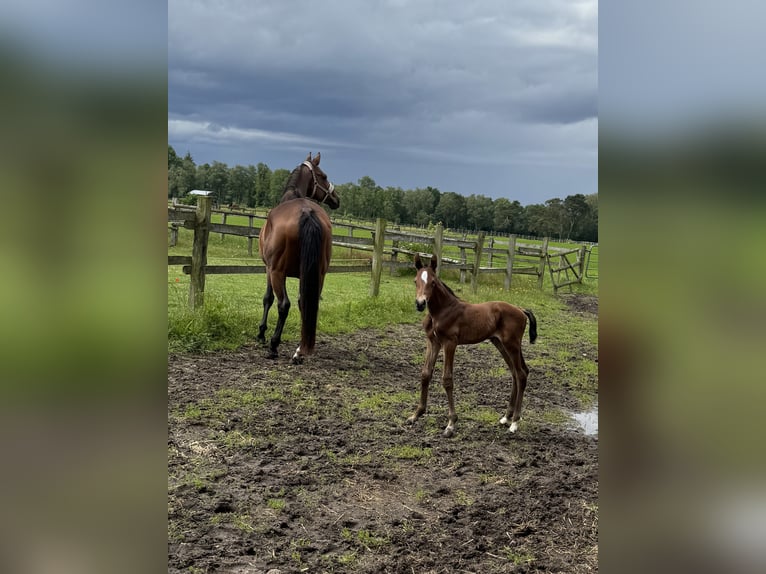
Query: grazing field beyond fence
(373, 249)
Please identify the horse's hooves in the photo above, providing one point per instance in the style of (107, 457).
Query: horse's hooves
(297, 360)
(273, 354)
(411, 420)
(448, 432)
(514, 427)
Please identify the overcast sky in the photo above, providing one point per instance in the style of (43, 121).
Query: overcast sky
(494, 97)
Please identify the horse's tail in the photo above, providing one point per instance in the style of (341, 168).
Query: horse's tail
(532, 325)
(310, 236)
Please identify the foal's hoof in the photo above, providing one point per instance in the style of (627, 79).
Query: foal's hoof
(261, 339)
(273, 354)
(297, 360)
(514, 427)
(448, 432)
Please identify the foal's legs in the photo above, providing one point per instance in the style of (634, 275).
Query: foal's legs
(268, 300)
(519, 370)
(432, 352)
(283, 305)
(449, 357)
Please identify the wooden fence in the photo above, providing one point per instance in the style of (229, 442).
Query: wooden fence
(566, 266)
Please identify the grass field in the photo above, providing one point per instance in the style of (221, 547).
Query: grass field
(233, 303)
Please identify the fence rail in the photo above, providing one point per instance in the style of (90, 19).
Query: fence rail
(385, 246)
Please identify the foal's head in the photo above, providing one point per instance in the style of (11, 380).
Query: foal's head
(425, 280)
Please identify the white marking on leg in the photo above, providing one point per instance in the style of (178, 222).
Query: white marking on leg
(297, 352)
(504, 420)
(514, 426)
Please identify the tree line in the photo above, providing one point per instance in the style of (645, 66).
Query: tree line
(574, 217)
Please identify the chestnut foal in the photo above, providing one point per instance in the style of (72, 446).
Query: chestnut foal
(451, 322)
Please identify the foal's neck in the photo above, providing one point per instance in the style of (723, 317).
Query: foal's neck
(441, 298)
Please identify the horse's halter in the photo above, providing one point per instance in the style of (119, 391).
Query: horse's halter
(327, 192)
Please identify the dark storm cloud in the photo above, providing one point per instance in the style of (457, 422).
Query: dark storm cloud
(487, 84)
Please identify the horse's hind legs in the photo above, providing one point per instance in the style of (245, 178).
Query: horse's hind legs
(519, 370)
(268, 301)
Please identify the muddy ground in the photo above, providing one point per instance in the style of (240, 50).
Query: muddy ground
(312, 468)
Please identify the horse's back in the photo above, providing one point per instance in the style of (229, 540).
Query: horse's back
(279, 238)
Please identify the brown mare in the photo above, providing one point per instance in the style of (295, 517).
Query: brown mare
(451, 322)
(296, 241)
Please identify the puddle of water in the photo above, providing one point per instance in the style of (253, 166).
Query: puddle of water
(588, 420)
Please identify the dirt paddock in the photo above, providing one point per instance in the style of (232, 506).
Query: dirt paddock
(312, 468)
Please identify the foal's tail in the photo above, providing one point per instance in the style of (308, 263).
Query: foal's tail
(310, 237)
(532, 325)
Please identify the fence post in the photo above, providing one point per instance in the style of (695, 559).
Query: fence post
(173, 234)
(224, 222)
(477, 262)
(199, 252)
(463, 261)
(581, 263)
(394, 254)
(509, 262)
(250, 239)
(438, 243)
(377, 255)
(541, 269)
(491, 246)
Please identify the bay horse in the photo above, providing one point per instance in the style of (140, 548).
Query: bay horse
(451, 322)
(296, 241)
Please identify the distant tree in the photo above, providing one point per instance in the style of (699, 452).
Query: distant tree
(278, 182)
(182, 174)
(349, 199)
(555, 218)
(240, 184)
(203, 175)
(589, 227)
(535, 218)
(479, 212)
(502, 215)
(370, 198)
(218, 181)
(575, 210)
(173, 159)
(391, 209)
(419, 206)
(451, 210)
(262, 186)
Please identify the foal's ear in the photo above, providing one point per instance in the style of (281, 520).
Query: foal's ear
(315, 161)
(308, 157)
(433, 262)
(418, 263)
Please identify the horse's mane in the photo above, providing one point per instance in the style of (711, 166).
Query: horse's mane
(291, 187)
(449, 289)
(292, 181)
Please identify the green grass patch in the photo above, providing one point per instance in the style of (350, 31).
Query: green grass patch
(463, 498)
(408, 452)
(387, 403)
(517, 557)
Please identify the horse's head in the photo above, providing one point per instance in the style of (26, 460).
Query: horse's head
(320, 189)
(425, 280)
